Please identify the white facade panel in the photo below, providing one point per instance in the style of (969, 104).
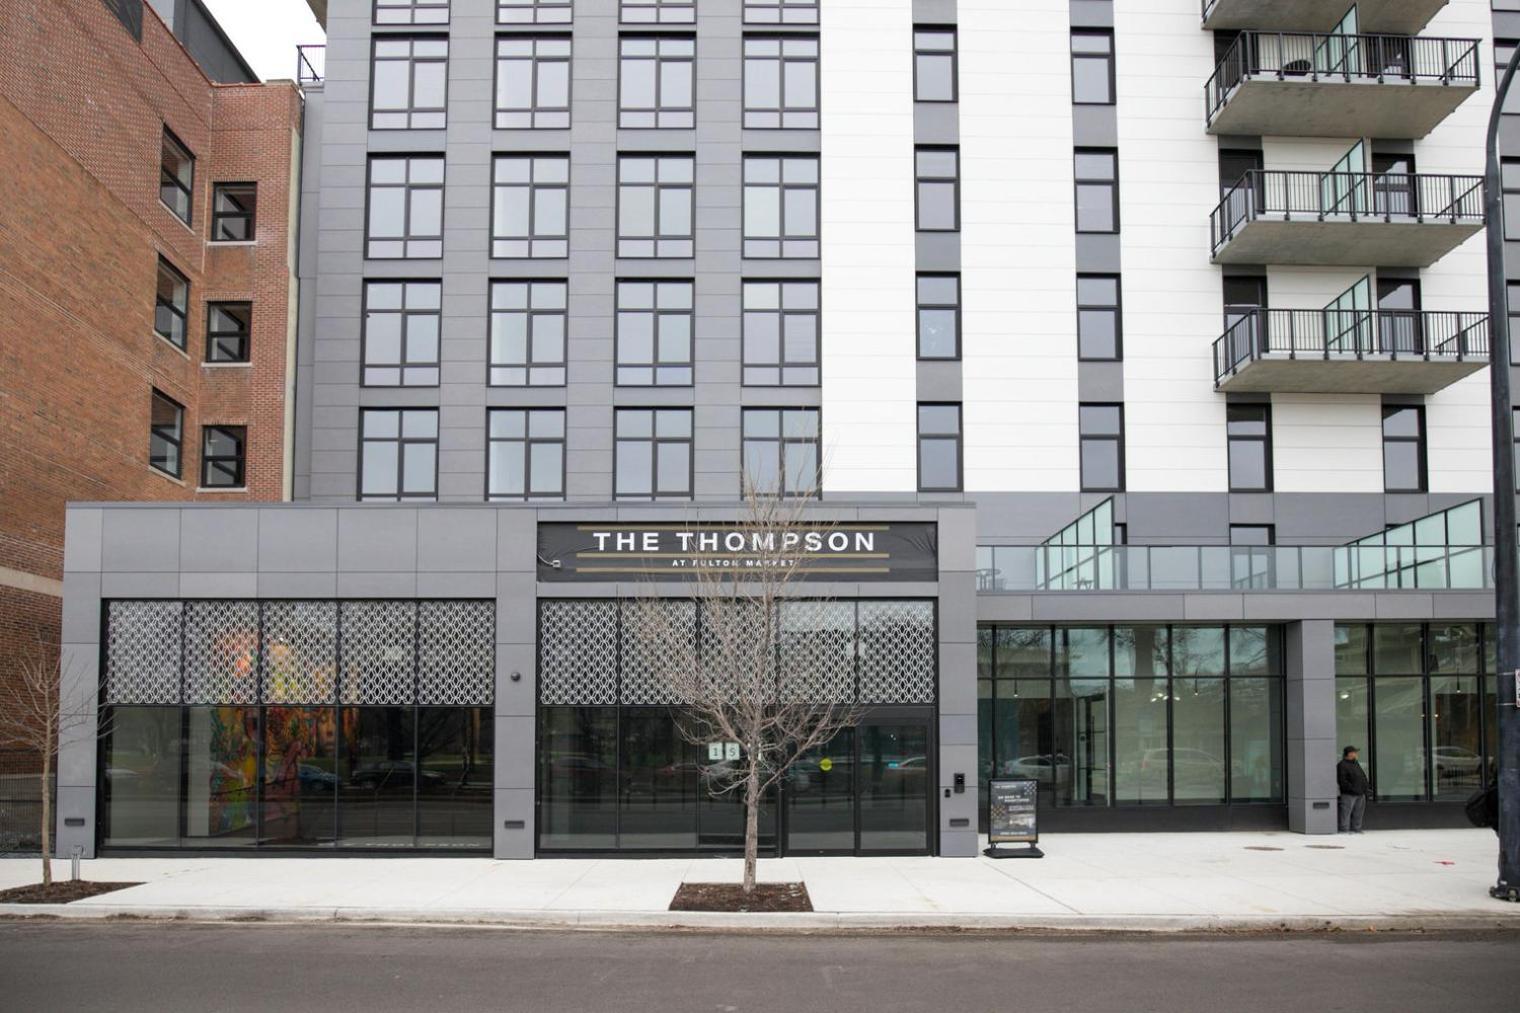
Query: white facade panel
(1327, 443)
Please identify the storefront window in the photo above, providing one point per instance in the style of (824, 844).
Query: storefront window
(1351, 719)
(1256, 740)
(1399, 727)
(1396, 649)
(1140, 745)
(142, 778)
(1350, 650)
(221, 777)
(1198, 650)
(1456, 750)
(577, 750)
(1024, 652)
(1198, 740)
(659, 783)
(455, 749)
(1454, 648)
(300, 776)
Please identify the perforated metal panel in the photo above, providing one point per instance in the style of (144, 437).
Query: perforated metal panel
(817, 651)
(221, 652)
(456, 653)
(379, 653)
(731, 629)
(658, 641)
(143, 652)
(300, 652)
(897, 655)
(577, 652)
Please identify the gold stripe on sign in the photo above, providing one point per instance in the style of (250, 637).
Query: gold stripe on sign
(718, 555)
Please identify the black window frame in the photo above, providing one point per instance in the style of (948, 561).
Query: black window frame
(662, 12)
(174, 438)
(810, 244)
(414, 117)
(958, 437)
(407, 313)
(401, 441)
(413, 9)
(1268, 530)
(654, 441)
(169, 180)
(953, 54)
(1115, 309)
(659, 245)
(782, 440)
(1111, 182)
(179, 313)
(920, 180)
(1109, 58)
(1234, 437)
(539, 9)
(218, 339)
(220, 218)
(624, 371)
(536, 247)
(234, 465)
(410, 188)
(1419, 440)
(660, 116)
(555, 370)
(1509, 192)
(1086, 438)
(787, 116)
(920, 306)
(781, 311)
(754, 12)
(538, 116)
(528, 441)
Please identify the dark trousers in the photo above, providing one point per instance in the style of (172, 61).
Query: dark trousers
(1351, 808)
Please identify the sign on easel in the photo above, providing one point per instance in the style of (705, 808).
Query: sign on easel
(1013, 818)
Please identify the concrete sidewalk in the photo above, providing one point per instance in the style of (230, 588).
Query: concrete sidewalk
(1393, 879)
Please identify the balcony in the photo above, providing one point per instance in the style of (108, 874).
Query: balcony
(1349, 351)
(311, 64)
(1345, 219)
(1393, 16)
(1303, 84)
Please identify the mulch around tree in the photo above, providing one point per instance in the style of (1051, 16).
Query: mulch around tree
(731, 897)
(61, 892)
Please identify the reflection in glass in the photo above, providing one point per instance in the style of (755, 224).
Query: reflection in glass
(577, 778)
(1256, 737)
(140, 803)
(1351, 719)
(1140, 747)
(300, 776)
(894, 787)
(1082, 713)
(1399, 719)
(820, 797)
(1351, 650)
(658, 783)
(1456, 749)
(1396, 649)
(1198, 740)
(455, 758)
(221, 775)
(379, 774)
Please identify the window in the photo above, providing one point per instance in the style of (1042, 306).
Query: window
(171, 312)
(939, 316)
(781, 333)
(1512, 292)
(534, 12)
(398, 457)
(937, 173)
(409, 84)
(1099, 320)
(405, 207)
(1515, 440)
(653, 453)
(1102, 436)
(525, 454)
(1509, 178)
(939, 448)
(233, 208)
(166, 434)
(1503, 50)
(656, 205)
(1092, 68)
(1097, 173)
(229, 326)
(528, 333)
(1403, 448)
(532, 206)
(533, 83)
(176, 176)
(222, 457)
(781, 206)
(781, 451)
(659, 12)
(934, 64)
(781, 12)
(781, 83)
(400, 339)
(654, 324)
(411, 12)
(1249, 433)
(1253, 534)
(657, 82)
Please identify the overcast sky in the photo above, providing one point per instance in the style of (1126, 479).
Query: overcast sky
(267, 32)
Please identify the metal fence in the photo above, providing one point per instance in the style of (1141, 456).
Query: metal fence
(1429, 336)
(21, 803)
(311, 64)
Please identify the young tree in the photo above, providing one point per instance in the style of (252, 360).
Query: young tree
(718, 655)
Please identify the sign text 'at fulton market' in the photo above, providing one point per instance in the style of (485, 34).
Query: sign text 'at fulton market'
(857, 552)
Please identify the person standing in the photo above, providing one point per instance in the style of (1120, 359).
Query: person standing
(1351, 780)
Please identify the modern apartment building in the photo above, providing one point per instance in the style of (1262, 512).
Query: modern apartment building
(1138, 350)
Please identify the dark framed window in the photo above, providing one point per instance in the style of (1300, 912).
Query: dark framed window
(781, 12)
(229, 329)
(531, 206)
(1515, 440)
(781, 451)
(171, 311)
(1512, 292)
(653, 453)
(525, 454)
(1253, 534)
(939, 448)
(657, 82)
(1097, 182)
(1092, 67)
(411, 12)
(1503, 50)
(402, 321)
(533, 82)
(939, 316)
(1100, 318)
(1403, 448)
(534, 12)
(656, 206)
(1509, 179)
(1102, 436)
(234, 208)
(222, 457)
(937, 177)
(780, 206)
(934, 70)
(176, 177)
(781, 83)
(654, 333)
(1249, 434)
(166, 435)
(659, 12)
(781, 329)
(405, 219)
(398, 454)
(409, 83)
(528, 333)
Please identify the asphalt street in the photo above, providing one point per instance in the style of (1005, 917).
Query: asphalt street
(165, 966)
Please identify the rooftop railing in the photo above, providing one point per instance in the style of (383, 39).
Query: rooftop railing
(1430, 336)
(311, 64)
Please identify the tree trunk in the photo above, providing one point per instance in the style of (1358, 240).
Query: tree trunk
(751, 826)
(47, 812)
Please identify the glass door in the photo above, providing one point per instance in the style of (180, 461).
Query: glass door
(894, 787)
(820, 798)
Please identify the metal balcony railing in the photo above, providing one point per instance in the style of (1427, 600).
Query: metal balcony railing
(311, 64)
(1431, 336)
(1347, 196)
(1313, 57)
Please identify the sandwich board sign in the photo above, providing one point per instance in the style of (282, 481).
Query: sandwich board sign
(1013, 817)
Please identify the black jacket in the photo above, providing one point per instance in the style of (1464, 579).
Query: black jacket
(1351, 778)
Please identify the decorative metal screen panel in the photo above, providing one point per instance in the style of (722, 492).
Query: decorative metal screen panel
(897, 652)
(817, 651)
(221, 652)
(379, 653)
(658, 640)
(300, 652)
(577, 652)
(143, 652)
(729, 640)
(456, 653)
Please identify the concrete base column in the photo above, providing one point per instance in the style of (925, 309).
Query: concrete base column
(1312, 751)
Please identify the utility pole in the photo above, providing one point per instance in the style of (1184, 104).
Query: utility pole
(1506, 591)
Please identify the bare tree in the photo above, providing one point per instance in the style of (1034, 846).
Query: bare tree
(717, 655)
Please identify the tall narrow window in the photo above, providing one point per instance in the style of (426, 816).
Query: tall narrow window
(781, 83)
(166, 435)
(781, 451)
(659, 12)
(409, 84)
(939, 448)
(1249, 429)
(411, 12)
(939, 316)
(1092, 67)
(528, 333)
(781, 12)
(398, 454)
(171, 312)
(405, 207)
(533, 82)
(1515, 430)
(1403, 448)
(938, 179)
(780, 206)
(228, 328)
(176, 176)
(934, 64)
(1099, 320)
(1509, 178)
(657, 82)
(222, 457)
(402, 320)
(233, 212)
(653, 453)
(1097, 175)
(534, 12)
(526, 454)
(654, 325)
(1102, 436)
(781, 333)
(656, 206)
(532, 206)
